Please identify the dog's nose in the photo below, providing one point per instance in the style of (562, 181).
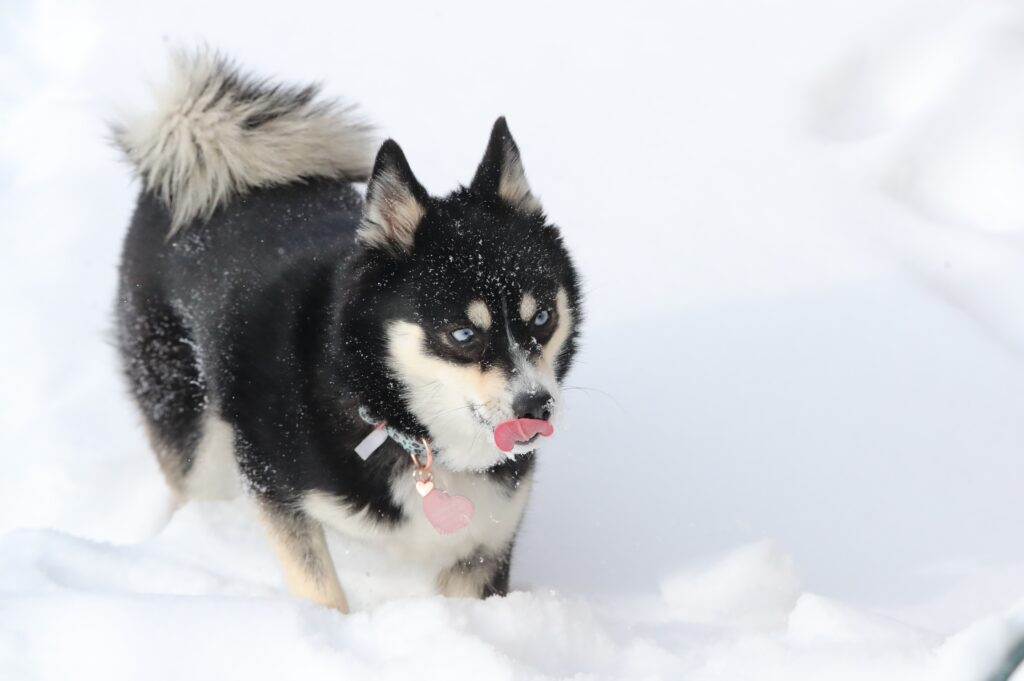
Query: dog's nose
(532, 405)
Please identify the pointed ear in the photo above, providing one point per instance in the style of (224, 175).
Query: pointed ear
(501, 172)
(395, 203)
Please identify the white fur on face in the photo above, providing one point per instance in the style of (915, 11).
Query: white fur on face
(478, 313)
(540, 375)
(450, 399)
(462, 404)
(553, 348)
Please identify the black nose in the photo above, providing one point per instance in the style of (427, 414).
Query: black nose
(532, 405)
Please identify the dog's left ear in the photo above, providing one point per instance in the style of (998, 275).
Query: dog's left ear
(501, 172)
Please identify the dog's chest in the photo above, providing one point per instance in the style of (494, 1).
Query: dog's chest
(498, 510)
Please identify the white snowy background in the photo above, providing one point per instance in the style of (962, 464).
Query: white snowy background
(797, 447)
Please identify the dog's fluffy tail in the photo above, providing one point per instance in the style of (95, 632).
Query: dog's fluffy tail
(217, 133)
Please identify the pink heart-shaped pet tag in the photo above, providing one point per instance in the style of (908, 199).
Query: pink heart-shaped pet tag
(508, 433)
(446, 513)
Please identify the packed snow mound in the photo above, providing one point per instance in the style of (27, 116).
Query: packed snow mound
(818, 620)
(202, 602)
(753, 586)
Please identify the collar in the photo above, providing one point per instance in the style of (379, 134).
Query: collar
(447, 513)
(404, 440)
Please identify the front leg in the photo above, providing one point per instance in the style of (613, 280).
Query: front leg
(301, 548)
(479, 576)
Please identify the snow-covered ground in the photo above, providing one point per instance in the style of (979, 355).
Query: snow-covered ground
(795, 450)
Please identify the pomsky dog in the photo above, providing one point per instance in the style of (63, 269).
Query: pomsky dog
(272, 322)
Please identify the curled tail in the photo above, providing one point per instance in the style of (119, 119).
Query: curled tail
(217, 132)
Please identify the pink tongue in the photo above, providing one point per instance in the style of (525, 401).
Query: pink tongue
(508, 433)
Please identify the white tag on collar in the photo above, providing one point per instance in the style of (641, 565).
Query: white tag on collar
(371, 443)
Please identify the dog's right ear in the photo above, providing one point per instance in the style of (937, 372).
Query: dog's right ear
(395, 203)
(501, 172)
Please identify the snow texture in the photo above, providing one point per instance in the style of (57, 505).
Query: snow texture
(792, 446)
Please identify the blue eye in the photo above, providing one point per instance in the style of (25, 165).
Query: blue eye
(541, 318)
(463, 335)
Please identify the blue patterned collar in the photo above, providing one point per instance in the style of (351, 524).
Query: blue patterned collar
(404, 440)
